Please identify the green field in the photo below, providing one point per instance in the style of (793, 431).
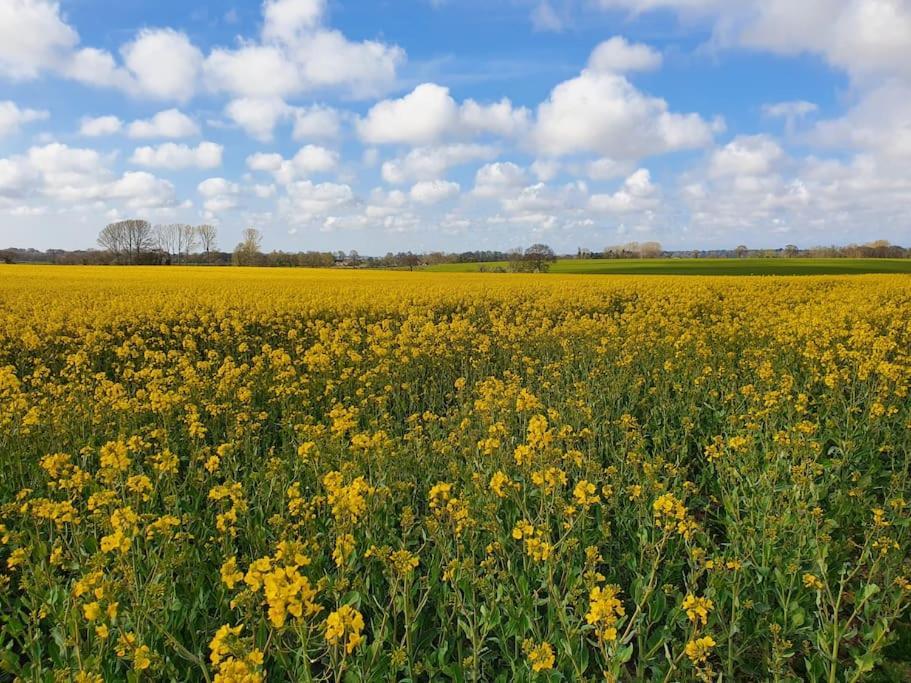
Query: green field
(749, 266)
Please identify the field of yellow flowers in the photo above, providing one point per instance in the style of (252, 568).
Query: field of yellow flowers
(245, 475)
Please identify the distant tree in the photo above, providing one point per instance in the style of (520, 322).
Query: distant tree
(208, 238)
(650, 250)
(354, 258)
(127, 240)
(410, 260)
(247, 252)
(741, 250)
(166, 238)
(538, 258)
(790, 250)
(187, 240)
(6, 256)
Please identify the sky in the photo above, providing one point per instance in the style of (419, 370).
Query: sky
(458, 125)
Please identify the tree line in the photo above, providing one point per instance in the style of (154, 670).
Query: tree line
(138, 242)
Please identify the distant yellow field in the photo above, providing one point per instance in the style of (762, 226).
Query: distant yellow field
(255, 474)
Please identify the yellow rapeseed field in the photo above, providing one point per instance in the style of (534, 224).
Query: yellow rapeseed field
(289, 475)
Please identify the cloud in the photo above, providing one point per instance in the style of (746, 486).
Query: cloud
(262, 161)
(16, 176)
(865, 38)
(746, 155)
(12, 117)
(618, 55)
(257, 117)
(430, 163)
(286, 20)
(545, 169)
(326, 59)
(33, 37)
(252, 71)
(219, 195)
(605, 114)
(637, 194)
(433, 191)
(498, 179)
(421, 117)
(606, 169)
(789, 110)
(59, 173)
(533, 201)
(308, 161)
(296, 54)
(545, 18)
(174, 156)
(98, 126)
(316, 122)
(312, 159)
(879, 123)
(306, 201)
(428, 114)
(141, 190)
(170, 123)
(499, 118)
(164, 64)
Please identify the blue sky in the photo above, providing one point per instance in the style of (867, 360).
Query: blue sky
(458, 124)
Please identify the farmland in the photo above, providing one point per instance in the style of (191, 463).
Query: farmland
(704, 266)
(251, 474)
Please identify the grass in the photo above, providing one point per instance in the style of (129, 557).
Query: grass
(721, 266)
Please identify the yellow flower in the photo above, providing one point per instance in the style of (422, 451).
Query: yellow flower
(697, 609)
(585, 493)
(86, 677)
(230, 575)
(439, 494)
(287, 592)
(345, 625)
(604, 611)
(540, 657)
(498, 482)
(344, 546)
(17, 557)
(812, 581)
(698, 650)
(141, 658)
(404, 562)
(91, 611)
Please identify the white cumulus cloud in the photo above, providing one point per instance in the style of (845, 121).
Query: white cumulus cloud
(176, 156)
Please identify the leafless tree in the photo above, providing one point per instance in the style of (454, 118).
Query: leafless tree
(112, 238)
(166, 238)
(128, 239)
(186, 240)
(650, 250)
(208, 236)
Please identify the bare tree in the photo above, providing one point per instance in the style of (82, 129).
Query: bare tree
(186, 240)
(790, 250)
(113, 239)
(208, 236)
(166, 238)
(650, 250)
(741, 250)
(128, 240)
